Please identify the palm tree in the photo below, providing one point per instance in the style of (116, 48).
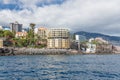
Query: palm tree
(32, 25)
(31, 33)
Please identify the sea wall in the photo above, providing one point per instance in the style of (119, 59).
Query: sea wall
(36, 51)
(45, 51)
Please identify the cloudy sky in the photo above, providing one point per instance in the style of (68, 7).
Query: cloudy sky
(102, 16)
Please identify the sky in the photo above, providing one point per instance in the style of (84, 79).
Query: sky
(99, 16)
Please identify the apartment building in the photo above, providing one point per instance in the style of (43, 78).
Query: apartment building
(58, 38)
(16, 27)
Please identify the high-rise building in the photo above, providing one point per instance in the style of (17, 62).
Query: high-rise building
(16, 27)
(58, 38)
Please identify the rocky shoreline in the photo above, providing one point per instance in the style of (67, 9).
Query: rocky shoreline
(36, 51)
(45, 51)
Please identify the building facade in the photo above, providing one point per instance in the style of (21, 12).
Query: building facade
(58, 38)
(42, 36)
(16, 27)
(21, 34)
(80, 38)
(91, 48)
(42, 33)
(104, 46)
(1, 43)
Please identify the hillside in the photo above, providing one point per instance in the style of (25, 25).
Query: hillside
(89, 35)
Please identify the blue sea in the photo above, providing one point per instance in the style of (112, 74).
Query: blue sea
(60, 67)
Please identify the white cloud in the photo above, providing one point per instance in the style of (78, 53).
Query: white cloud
(88, 15)
(8, 1)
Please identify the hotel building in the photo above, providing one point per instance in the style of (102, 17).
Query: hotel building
(58, 38)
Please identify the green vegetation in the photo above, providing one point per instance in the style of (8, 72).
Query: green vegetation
(20, 42)
(8, 34)
(31, 40)
(30, 36)
(1, 33)
(95, 42)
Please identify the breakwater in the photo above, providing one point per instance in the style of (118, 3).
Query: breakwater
(36, 51)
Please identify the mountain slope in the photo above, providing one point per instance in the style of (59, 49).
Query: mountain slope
(89, 35)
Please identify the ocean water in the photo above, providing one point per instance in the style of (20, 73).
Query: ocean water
(60, 67)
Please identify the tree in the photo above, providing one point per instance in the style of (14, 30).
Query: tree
(8, 34)
(31, 34)
(1, 33)
(32, 27)
(20, 42)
